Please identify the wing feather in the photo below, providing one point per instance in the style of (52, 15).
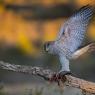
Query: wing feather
(74, 29)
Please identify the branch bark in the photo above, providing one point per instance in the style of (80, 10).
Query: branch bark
(68, 80)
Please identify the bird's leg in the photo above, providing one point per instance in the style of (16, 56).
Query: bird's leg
(64, 66)
(87, 49)
(64, 70)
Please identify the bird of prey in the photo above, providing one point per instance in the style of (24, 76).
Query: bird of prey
(70, 38)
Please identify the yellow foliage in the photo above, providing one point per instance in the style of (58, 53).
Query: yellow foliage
(51, 29)
(10, 1)
(25, 44)
(2, 10)
(85, 2)
(91, 32)
(14, 30)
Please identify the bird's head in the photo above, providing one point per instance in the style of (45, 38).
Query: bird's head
(48, 46)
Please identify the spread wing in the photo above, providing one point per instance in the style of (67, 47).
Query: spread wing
(74, 29)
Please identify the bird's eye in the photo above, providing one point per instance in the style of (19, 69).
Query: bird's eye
(46, 47)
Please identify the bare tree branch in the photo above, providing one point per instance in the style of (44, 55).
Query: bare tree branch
(68, 80)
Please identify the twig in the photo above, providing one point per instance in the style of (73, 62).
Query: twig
(84, 85)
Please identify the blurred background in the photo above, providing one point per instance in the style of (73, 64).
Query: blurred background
(24, 24)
